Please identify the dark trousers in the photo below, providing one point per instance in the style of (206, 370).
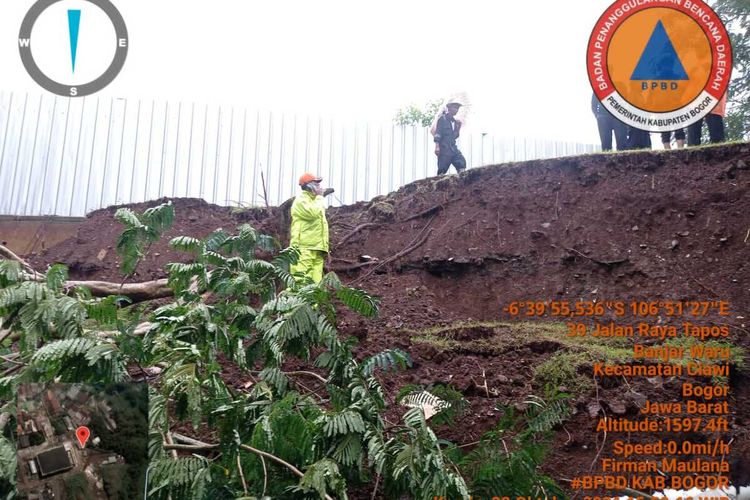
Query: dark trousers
(608, 125)
(715, 125)
(679, 135)
(638, 139)
(450, 156)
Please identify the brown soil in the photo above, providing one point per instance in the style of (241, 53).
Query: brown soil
(634, 226)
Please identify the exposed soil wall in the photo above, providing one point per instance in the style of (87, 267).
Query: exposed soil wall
(628, 226)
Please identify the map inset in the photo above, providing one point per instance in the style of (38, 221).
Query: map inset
(80, 442)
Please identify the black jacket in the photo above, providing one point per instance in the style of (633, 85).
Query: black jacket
(598, 108)
(447, 131)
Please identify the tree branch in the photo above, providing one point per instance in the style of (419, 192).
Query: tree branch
(10, 255)
(190, 447)
(169, 440)
(140, 330)
(137, 292)
(196, 445)
(4, 334)
(242, 474)
(4, 419)
(265, 477)
(309, 374)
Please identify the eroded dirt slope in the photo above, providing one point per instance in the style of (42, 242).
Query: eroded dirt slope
(635, 226)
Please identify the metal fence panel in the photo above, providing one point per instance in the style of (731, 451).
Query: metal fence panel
(67, 157)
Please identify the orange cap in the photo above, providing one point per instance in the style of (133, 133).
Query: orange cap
(308, 177)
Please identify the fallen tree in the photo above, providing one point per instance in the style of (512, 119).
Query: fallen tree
(249, 313)
(136, 292)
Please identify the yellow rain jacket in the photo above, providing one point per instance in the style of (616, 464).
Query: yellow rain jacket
(309, 233)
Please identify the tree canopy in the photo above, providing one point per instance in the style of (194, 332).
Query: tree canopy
(419, 116)
(736, 16)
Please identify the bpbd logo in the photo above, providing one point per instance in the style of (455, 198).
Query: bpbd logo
(659, 62)
(659, 65)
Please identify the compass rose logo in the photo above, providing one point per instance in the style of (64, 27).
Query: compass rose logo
(73, 48)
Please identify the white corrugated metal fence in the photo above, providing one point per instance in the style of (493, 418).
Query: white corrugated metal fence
(69, 156)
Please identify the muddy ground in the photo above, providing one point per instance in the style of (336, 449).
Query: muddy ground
(639, 226)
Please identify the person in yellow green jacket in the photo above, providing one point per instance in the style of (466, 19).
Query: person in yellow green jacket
(309, 233)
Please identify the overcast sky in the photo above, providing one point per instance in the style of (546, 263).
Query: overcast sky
(522, 63)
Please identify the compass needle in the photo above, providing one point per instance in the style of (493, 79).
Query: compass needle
(74, 23)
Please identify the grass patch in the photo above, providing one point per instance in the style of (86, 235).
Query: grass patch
(563, 368)
(496, 337)
(441, 343)
(493, 337)
(737, 355)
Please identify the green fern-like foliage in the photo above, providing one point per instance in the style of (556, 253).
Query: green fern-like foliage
(7, 468)
(40, 311)
(394, 359)
(288, 429)
(508, 458)
(416, 464)
(80, 360)
(186, 478)
(140, 232)
(358, 301)
(222, 351)
(56, 277)
(322, 477)
(515, 472)
(345, 422)
(10, 272)
(58, 331)
(543, 416)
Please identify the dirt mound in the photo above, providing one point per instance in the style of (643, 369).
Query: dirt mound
(639, 226)
(633, 226)
(91, 253)
(669, 225)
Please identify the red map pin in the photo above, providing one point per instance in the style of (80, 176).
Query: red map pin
(83, 433)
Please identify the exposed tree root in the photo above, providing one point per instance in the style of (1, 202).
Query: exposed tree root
(354, 231)
(353, 267)
(403, 252)
(605, 263)
(423, 213)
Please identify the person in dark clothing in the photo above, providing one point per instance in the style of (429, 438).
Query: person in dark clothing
(447, 130)
(608, 125)
(638, 139)
(679, 135)
(715, 122)
(715, 130)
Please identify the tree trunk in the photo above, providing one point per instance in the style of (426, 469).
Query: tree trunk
(137, 292)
